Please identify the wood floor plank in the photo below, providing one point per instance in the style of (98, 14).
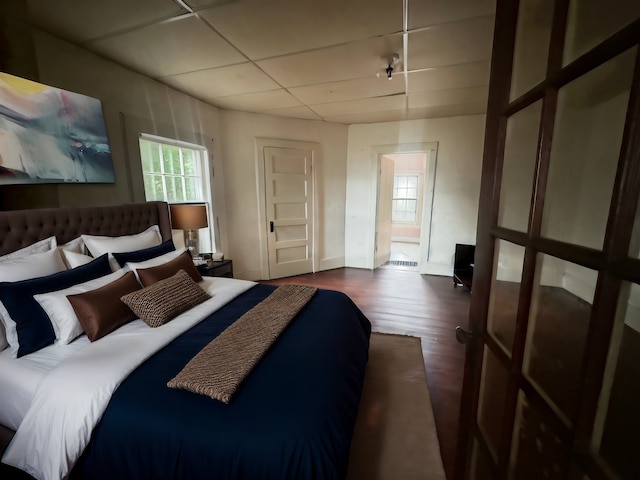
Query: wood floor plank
(405, 302)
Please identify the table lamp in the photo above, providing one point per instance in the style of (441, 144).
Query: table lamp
(189, 217)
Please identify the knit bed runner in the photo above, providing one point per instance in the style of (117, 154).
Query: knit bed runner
(219, 368)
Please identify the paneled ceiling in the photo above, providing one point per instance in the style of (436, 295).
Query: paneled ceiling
(309, 59)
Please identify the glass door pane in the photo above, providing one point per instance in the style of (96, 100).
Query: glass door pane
(505, 291)
(584, 157)
(493, 391)
(520, 153)
(537, 451)
(591, 21)
(616, 438)
(531, 51)
(557, 331)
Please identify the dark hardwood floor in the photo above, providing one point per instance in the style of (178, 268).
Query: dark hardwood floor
(405, 302)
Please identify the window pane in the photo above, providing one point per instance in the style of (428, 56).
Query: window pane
(584, 154)
(191, 193)
(412, 181)
(145, 156)
(157, 189)
(149, 190)
(188, 159)
(167, 158)
(171, 190)
(155, 158)
(179, 189)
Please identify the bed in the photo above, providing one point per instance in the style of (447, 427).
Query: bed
(102, 408)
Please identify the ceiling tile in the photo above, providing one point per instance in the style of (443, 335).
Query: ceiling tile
(448, 97)
(349, 89)
(370, 117)
(294, 112)
(423, 13)
(456, 76)
(221, 82)
(262, 29)
(394, 102)
(459, 42)
(361, 59)
(199, 4)
(447, 111)
(80, 20)
(257, 102)
(179, 46)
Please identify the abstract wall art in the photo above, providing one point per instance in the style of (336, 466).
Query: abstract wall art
(49, 135)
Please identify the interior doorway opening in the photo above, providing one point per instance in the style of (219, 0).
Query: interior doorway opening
(403, 209)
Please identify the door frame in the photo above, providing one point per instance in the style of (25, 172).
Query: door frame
(431, 151)
(316, 160)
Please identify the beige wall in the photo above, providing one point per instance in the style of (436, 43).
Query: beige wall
(346, 153)
(457, 185)
(240, 131)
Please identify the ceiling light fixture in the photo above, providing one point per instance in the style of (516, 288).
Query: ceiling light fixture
(393, 61)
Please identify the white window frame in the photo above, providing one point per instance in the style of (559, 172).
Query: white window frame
(203, 187)
(417, 199)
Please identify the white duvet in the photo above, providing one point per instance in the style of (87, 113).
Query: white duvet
(71, 399)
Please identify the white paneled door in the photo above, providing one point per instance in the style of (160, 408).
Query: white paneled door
(289, 208)
(384, 211)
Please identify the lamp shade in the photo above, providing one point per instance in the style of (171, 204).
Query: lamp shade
(188, 216)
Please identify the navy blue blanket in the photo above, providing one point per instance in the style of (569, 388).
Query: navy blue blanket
(291, 418)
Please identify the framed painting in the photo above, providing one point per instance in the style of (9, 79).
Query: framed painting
(49, 135)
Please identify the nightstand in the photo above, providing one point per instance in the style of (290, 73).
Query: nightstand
(223, 268)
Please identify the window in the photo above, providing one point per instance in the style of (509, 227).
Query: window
(405, 198)
(176, 172)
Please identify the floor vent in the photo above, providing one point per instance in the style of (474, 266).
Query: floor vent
(403, 263)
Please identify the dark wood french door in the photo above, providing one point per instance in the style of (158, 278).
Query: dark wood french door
(552, 374)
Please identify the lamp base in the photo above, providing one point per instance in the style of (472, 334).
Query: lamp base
(192, 242)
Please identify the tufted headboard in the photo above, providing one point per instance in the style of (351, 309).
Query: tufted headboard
(19, 228)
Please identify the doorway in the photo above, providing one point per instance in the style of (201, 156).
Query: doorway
(406, 180)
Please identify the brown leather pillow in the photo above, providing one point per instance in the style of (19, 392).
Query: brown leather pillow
(165, 299)
(101, 311)
(151, 275)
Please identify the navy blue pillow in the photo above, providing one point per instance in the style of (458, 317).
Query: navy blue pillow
(32, 323)
(145, 253)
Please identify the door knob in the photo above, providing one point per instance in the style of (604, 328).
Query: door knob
(463, 336)
(271, 227)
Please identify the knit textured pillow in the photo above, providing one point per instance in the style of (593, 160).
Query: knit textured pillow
(161, 302)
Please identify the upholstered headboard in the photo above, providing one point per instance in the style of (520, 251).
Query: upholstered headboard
(19, 228)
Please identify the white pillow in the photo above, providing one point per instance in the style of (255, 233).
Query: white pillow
(154, 262)
(75, 245)
(10, 331)
(74, 259)
(40, 246)
(32, 266)
(3, 337)
(59, 310)
(99, 245)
